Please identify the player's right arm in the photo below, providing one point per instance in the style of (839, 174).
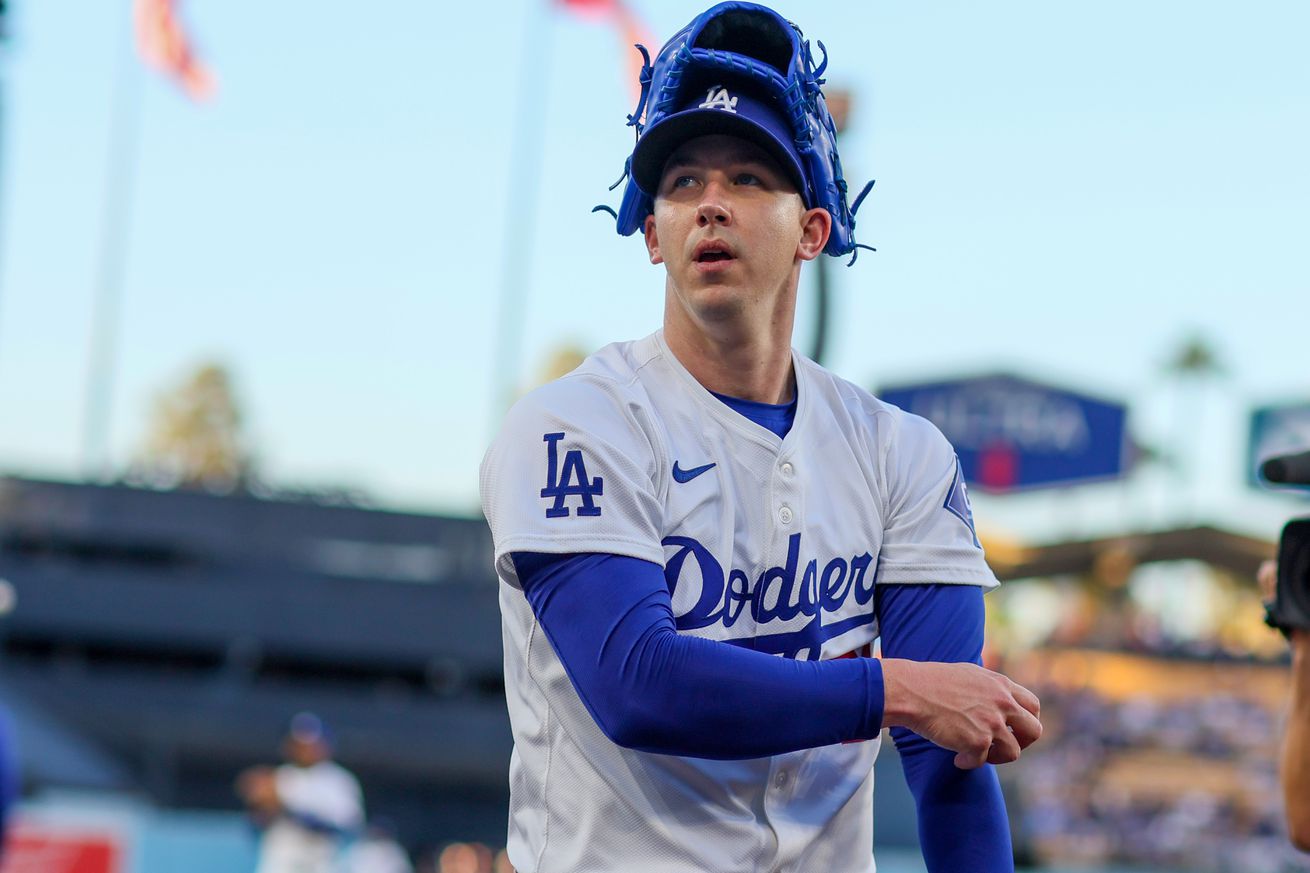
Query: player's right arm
(609, 619)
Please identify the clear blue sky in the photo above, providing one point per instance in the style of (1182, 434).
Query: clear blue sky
(1064, 190)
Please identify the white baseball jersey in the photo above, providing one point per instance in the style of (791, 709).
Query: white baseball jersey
(326, 791)
(778, 540)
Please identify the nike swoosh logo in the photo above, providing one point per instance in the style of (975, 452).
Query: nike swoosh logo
(688, 475)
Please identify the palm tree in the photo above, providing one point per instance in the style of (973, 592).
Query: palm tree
(1193, 367)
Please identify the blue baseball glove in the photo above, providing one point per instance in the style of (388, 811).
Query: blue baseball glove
(753, 46)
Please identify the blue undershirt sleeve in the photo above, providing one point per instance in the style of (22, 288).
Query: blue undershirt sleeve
(963, 824)
(610, 620)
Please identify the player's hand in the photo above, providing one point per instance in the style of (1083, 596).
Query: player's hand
(982, 716)
(1267, 578)
(257, 786)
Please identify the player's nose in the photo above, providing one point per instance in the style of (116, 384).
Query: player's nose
(712, 210)
(714, 207)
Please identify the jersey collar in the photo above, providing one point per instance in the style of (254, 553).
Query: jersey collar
(730, 418)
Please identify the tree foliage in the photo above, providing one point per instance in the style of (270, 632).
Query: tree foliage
(194, 437)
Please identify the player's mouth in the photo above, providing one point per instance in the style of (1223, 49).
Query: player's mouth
(713, 255)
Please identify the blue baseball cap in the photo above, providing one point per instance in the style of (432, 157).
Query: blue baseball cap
(723, 109)
(306, 727)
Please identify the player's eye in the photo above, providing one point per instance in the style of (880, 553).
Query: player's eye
(749, 179)
(683, 181)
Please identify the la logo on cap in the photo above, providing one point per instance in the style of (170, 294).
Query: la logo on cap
(718, 98)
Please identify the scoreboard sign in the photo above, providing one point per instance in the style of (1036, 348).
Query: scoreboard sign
(1276, 430)
(1013, 434)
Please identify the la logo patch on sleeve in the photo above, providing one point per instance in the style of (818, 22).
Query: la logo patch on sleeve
(570, 481)
(957, 502)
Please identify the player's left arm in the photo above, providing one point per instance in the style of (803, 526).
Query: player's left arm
(932, 576)
(963, 823)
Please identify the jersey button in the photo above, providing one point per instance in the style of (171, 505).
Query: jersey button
(784, 515)
(780, 780)
(788, 469)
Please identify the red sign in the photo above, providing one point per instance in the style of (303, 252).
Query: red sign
(32, 848)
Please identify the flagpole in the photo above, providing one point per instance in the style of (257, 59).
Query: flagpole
(521, 195)
(106, 304)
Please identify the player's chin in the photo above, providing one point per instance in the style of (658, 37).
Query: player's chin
(716, 300)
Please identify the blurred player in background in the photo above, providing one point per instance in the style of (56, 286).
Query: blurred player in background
(308, 807)
(701, 533)
(1295, 767)
(8, 774)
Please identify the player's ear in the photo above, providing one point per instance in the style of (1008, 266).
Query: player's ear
(816, 226)
(652, 240)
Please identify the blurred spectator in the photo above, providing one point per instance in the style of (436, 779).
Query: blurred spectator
(1296, 743)
(1122, 782)
(465, 858)
(307, 807)
(8, 774)
(377, 851)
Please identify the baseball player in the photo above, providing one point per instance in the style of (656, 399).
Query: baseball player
(700, 534)
(307, 807)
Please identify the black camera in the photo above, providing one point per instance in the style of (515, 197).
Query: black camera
(1291, 606)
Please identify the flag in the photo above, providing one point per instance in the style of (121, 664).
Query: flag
(593, 9)
(163, 44)
(632, 31)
